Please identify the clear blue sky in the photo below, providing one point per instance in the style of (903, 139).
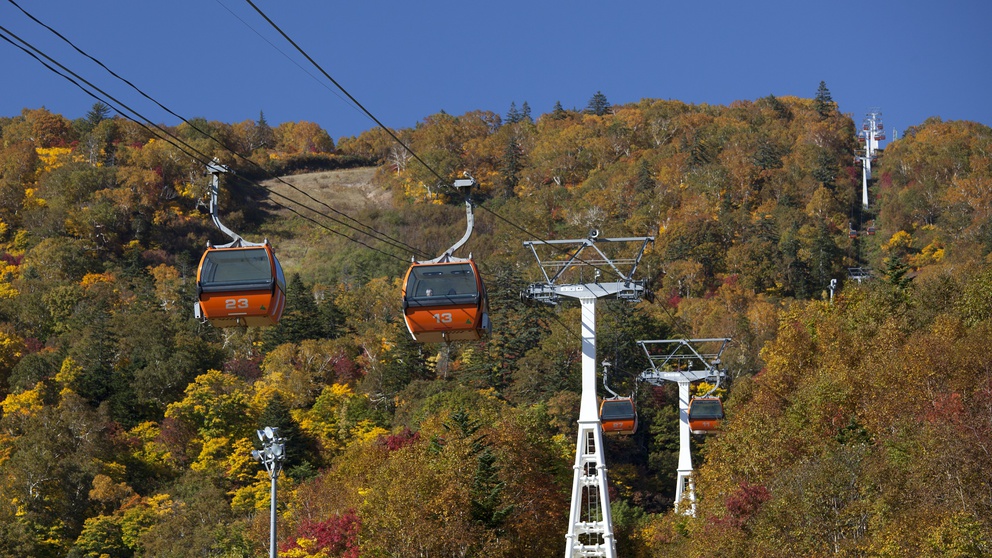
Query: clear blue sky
(215, 59)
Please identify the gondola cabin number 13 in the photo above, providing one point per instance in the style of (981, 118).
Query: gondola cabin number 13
(445, 302)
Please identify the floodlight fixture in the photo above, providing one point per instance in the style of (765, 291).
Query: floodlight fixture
(272, 454)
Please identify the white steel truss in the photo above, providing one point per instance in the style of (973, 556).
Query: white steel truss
(872, 132)
(590, 524)
(684, 361)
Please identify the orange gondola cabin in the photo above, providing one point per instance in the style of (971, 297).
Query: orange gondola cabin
(618, 416)
(240, 286)
(445, 302)
(705, 414)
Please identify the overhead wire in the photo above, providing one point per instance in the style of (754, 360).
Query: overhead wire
(366, 229)
(395, 137)
(203, 158)
(297, 64)
(440, 178)
(573, 257)
(375, 234)
(162, 133)
(345, 91)
(406, 147)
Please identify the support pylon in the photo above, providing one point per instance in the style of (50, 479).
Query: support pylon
(684, 361)
(590, 524)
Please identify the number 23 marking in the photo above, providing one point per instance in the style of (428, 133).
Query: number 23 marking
(236, 303)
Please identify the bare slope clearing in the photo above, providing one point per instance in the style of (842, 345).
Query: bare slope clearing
(346, 190)
(303, 246)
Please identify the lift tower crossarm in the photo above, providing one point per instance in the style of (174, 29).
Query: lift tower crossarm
(675, 359)
(581, 245)
(554, 270)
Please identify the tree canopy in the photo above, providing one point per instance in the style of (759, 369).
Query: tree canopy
(856, 425)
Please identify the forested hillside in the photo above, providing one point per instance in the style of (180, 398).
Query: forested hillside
(857, 426)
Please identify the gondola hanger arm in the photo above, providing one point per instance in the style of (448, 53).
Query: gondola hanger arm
(447, 256)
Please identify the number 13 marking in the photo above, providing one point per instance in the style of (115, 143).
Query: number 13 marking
(443, 318)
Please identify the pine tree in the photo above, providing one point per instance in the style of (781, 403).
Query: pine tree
(598, 104)
(486, 505)
(823, 102)
(895, 273)
(512, 115)
(331, 318)
(265, 137)
(645, 181)
(302, 454)
(97, 113)
(301, 320)
(525, 112)
(825, 171)
(558, 113)
(510, 166)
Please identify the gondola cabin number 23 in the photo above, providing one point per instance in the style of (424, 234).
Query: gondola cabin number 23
(241, 286)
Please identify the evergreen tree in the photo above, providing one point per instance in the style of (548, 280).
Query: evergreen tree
(823, 102)
(558, 113)
(513, 115)
(510, 166)
(825, 171)
(517, 329)
(895, 273)
(598, 104)
(487, 493)
(301, 450)
(98, 113)
(525, 112)
(301, 319)
(645, 181)
(331, 318)
(265, 137)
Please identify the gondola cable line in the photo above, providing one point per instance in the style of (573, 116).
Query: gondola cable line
(406, 147)
(387, 239)
(167, 136)
(163, 134)
(286, 56)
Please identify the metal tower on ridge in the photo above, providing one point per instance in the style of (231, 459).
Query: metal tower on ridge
(684, 361)
(872, 132)
(590, 525)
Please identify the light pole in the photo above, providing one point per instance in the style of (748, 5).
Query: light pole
(271, 455)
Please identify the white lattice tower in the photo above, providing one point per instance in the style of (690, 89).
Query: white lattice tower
(590, 524)
(684, 361)
(872, 131)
